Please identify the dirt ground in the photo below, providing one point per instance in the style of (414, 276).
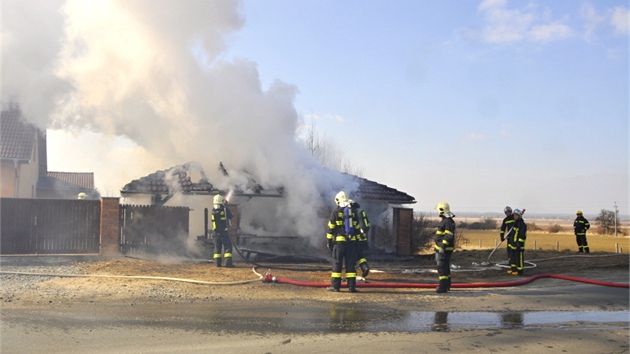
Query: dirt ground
(201, 281)
(130, 305)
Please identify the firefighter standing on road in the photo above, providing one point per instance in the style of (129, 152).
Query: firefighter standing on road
(444, 246)
(221, 215)
(580, 226)
(506, 226)
(343, 245)
(362, 226)
(516, 244)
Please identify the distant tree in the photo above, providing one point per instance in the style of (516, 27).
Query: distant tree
(327, 153)
(483, 224)
(423, 231)
(605, 222)
(554, 229)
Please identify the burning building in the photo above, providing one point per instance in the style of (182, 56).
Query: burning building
(262, 224)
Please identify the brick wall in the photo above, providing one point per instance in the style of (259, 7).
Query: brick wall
(110, 228)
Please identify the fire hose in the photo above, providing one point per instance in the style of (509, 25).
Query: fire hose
(201, 282)
(268, 278)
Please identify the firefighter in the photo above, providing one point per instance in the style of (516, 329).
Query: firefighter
(444, 246)
(362, 226)
(580, 226)
(516, 243)
(221, 215)
(342, 241)
(506, 226)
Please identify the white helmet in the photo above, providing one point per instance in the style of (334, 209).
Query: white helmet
(341, 198)
(217, 199)
(82, 196)
(518, 212)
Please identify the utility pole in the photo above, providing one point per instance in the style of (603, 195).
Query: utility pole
(616, 213)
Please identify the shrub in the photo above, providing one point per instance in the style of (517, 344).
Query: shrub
(554, 229)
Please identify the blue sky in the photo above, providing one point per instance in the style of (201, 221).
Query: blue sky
(479, 103)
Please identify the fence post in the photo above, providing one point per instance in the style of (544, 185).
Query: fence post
(110, 226)
(479, 243)
(558, 246)
(535, 245)
(616, 248)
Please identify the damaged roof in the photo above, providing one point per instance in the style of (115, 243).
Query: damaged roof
(178, 180)
(370, 190)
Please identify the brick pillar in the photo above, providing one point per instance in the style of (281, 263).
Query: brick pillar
(110, 228)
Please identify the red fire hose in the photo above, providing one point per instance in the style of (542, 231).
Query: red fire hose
(268, 278)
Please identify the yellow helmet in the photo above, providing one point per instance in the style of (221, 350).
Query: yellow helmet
(82, 196)
(341, 198)
(579, 212)
(217, 199)
(443, 208)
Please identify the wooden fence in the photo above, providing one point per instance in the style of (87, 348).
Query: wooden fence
(154, 230)
(49, 226)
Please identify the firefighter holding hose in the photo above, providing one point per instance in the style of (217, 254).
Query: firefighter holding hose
(506, 226)
(341, 238)
(444, 246)
(221, 215)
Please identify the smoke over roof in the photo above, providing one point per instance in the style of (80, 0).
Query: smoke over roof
(152, 71)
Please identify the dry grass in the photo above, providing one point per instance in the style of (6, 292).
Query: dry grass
(488, 239)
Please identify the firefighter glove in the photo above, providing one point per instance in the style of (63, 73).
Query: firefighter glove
(502, 238)
(440, 250)
(330, 243)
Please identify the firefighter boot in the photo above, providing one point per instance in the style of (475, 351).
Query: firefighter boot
(217, 262)
(442, 287)
(335, 284)
(352, 285)
(228, 263)
(448, 284)
(365, 268)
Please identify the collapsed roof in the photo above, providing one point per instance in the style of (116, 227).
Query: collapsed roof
(178, 179)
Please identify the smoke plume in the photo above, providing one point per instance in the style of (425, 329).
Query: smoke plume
(152, 72)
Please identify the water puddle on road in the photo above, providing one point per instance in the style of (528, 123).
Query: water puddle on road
(338, 318)
(451, 321)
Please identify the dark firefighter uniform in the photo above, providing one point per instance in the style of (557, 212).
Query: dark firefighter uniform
(516, 244)
(362, 226)
(220, 235)
(444, 246)
(343, 246)
(580, 226)
(506, 227)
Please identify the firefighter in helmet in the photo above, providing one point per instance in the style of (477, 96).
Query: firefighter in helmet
(516, 243)
(580, 226)
(362, 226)
(444, 246)
(221, 215)
(506, 226)
(342, 241)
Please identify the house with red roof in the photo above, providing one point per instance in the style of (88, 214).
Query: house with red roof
(24, 168)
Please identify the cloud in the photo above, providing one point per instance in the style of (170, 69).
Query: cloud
(619, 20)
(505, 25)
(473, 137)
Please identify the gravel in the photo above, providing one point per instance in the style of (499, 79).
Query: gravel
(12, 284)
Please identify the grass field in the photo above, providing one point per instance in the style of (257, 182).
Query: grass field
(488, 239)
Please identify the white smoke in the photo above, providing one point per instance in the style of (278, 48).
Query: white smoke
(152, 72)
